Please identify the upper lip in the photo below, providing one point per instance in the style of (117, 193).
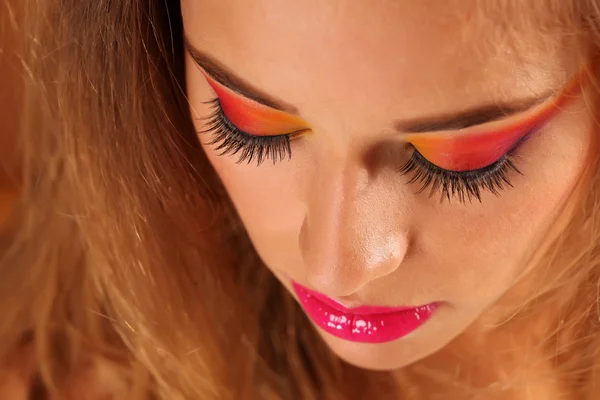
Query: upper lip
(358, 310)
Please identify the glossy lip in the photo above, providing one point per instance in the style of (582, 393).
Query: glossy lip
(364, 324)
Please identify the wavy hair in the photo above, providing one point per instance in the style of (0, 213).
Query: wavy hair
(124, 252)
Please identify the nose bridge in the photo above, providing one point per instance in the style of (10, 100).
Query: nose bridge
(349, 236)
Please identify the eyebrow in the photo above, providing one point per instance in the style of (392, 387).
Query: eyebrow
(453, 121)
(473, 116)
(227, 78)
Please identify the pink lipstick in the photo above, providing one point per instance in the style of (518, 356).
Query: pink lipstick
(364, 324)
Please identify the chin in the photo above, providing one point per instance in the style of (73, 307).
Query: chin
(378, 357)
(372, 364)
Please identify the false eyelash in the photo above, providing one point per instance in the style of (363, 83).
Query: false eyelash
(464, 185)
(230, 140)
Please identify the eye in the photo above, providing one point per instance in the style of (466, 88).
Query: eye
(462, 185)
(229, 140)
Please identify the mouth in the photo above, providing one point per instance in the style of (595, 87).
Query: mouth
(364, 324)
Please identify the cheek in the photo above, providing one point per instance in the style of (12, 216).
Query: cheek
(485, 247)
(268, 201)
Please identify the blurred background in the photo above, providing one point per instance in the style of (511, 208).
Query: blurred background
(11, 78)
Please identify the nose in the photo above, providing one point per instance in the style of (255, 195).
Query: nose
(353, 233)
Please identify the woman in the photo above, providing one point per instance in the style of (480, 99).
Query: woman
(307, 200)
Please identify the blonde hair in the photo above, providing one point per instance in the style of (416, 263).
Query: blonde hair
(124, 251)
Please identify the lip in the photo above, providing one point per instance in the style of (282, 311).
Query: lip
(364, 324)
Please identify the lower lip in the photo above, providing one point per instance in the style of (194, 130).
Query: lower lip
(363, 324)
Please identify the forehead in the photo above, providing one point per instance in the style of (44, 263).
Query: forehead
(407, 54)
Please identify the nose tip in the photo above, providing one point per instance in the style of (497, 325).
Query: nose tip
(340, 269)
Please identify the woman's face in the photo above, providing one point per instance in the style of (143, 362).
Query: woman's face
(376, 101)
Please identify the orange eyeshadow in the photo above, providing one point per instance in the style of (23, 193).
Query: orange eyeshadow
(454, 151)
(252, 117)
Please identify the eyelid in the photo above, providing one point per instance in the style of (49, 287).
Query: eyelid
(252, 117)
(534, 118)
(477, 147)
(467, 152)
(476, 138)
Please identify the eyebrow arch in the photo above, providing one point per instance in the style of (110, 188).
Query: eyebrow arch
(471, 117)
(226, 77)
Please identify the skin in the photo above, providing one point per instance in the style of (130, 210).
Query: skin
(338, 217)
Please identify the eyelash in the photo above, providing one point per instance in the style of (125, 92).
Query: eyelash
(229, 140)
(463, 185)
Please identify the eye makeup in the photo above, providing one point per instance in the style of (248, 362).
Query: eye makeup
(468, 151)
(459, 163)
(254, 118)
